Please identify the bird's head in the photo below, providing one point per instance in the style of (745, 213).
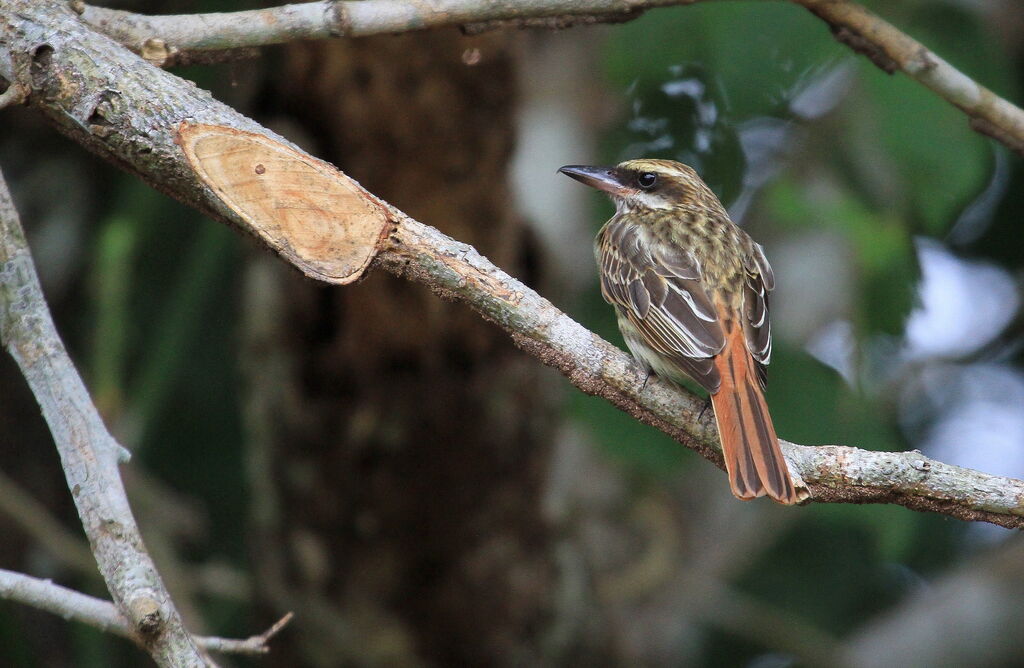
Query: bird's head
(637, 185)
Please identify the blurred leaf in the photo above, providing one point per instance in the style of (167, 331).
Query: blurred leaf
(704, 70)
(168, 349)
(812, 404)
(680, 120)
(758, 53)
(112, 277)
(885, 260)
(942, 163)
(940, 160)
(112, 284)
(895, 530)
(840, 559)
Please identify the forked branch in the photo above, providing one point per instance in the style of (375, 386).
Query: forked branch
(104, 615)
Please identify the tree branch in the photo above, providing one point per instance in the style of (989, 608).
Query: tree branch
(103, 615)
(832, 473)
(184, 33)
(892, 51)
(166, 40)
(84, 78)
(88, 453)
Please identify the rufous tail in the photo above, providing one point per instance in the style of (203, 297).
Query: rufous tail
(751, 448)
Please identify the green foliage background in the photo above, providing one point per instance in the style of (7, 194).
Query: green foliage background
(902, 163)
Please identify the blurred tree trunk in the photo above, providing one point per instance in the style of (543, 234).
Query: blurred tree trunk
(399, 452)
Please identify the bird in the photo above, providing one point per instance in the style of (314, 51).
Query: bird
(690, 289)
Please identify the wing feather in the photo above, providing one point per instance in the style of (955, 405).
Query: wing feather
(662, 296)
(757, 328)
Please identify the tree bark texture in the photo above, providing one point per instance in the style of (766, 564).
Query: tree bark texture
(407, 467)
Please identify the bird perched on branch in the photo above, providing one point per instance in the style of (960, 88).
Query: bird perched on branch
(691, 292)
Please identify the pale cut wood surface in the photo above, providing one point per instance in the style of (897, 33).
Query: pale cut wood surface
(305, 209)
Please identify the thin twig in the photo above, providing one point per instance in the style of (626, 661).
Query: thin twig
(258, 644)
(103, 615)
(168, 40)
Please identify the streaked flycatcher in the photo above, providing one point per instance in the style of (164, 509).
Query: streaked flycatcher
(691, 292)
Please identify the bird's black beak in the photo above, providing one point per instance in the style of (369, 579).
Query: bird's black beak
(602, 178)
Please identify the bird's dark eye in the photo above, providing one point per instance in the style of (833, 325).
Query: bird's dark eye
(647, 180)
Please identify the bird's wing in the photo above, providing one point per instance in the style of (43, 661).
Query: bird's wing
(757, 328)
(660, 292)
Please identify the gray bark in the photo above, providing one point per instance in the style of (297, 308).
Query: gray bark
(88, 453)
